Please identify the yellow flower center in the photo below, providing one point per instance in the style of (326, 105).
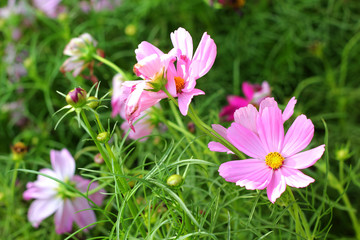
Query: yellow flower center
(274, 160)
(180, 84)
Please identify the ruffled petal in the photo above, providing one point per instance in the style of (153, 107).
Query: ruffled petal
(295, 178)
(276, 187)
(41, 209)
(267, 102)
(298, 136)
(182, 40)
(304, 159)
(83, 217)
(82, 185)
(149, 67)
(64, 217)
(289, 110)
(246, 116)
(146, 49)
(249, 173)
(205, 54)
(270, 129)
(63, 163)
(35, 192)
(246, 141)
(185, 99)
(215, 146)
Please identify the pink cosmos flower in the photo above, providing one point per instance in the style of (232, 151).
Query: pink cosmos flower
(254, 94)
(80, 50)
(53, 197)
(275, 159)
(182, 79)
(130, 98)
(50, 7)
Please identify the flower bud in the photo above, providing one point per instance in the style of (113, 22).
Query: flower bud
(130, 30)
(92, 102)
(19, 150)
(191, 127)
(98, 159)
(175, 180)
(76, 97)
(103, 137)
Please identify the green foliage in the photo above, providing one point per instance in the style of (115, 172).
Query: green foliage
(306, 49)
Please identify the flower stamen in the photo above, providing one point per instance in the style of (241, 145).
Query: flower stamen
(180, 84)
(274, 160)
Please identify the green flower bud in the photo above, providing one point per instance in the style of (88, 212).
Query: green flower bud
(76, 97)
(92, 102)
(103, 137)
(175, 180)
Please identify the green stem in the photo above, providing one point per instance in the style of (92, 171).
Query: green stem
(114, 168)
(302, 224)
(110, 64)
(11, 198)
(207, 129)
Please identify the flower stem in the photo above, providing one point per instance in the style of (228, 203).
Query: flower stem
(110, 64)
(114, 168)
(206, 128)
(302, 225)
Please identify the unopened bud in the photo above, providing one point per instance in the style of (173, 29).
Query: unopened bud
(92, 102)
(175, 180)
(191, 127)
(98, 159)
(130, 30)
(103, 137)
(76, 97)
(19, 150)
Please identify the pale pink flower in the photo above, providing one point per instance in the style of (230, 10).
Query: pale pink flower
(182, 79)
(52, 197)
(80, 51)
(99, 5)
(254, 94)
(130, 98)
(51, 8)
(275, 158)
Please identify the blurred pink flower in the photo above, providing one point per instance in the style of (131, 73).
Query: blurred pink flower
(80, 51)
(51, 8)
(99, 5)
(142, 127)
(254, 94)
(275, 158)
(182, 79)
(53, 197)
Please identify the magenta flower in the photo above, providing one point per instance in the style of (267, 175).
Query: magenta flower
(80, 51)
(182, 79)
(53, 197)
(254, 94)
(275, 158)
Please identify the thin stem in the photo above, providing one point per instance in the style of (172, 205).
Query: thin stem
(207, 129)
(110, 64)
(299, 213)
(111, 165)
